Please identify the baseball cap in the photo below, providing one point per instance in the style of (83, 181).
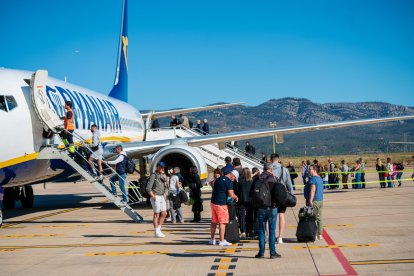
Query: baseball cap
(235, 173)
(161, 164)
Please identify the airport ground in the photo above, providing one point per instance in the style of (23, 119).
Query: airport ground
(72, 230)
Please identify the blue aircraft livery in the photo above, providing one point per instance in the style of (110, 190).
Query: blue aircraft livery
(88, 109)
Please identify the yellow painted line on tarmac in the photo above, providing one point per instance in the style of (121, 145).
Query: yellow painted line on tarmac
(373, 262)
(31, 236)
(168, 231)
(131, 253)
(336, 246)
(62, 226)
(328, 226)
(9, 250)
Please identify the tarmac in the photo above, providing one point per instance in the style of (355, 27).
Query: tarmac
(73, 230)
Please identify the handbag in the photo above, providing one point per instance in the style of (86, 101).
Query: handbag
(290, 200)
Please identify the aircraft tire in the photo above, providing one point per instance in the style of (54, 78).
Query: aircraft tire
(10, 196)
(27, 197)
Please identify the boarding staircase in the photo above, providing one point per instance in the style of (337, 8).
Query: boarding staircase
(213, 154)
(100, 181)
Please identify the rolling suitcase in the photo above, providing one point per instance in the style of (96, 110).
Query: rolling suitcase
(306, 231)
(232, 231)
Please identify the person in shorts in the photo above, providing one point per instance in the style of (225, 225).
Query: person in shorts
(223, 187)
(155, 189)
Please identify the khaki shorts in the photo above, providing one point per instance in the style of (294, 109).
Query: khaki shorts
(158, 205)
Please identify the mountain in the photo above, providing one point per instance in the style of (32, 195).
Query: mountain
(299, 111)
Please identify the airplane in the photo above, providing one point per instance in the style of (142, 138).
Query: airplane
(31, 104)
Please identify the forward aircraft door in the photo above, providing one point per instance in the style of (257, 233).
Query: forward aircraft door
(49, 119)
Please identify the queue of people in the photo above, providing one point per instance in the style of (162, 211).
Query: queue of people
(183, 120)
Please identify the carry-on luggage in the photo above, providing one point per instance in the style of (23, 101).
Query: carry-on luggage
(306, 231)
(232, 232)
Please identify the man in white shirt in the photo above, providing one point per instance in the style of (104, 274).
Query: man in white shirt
(174, 187)
(344, 170)
(120, 168)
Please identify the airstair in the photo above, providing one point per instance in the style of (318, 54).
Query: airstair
(100, 182)
(213, 154)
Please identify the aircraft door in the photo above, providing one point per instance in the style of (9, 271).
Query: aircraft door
(48, 118)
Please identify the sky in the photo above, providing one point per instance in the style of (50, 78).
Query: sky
(194, 53)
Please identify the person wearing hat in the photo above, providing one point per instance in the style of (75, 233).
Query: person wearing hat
(155, 189)
(223, 187)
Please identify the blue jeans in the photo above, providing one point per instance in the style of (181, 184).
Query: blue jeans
(358, 177)
(121, 185)
(267, 215)
(390, 181)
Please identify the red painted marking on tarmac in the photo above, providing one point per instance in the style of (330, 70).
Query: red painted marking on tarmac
(339, 255)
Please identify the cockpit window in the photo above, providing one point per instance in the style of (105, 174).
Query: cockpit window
(3, 103)
(11, 102)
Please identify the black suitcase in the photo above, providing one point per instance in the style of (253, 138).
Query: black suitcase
(232, 232)
(306, 231)
(232, 210)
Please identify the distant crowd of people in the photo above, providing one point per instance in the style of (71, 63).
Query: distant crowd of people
(184, 121)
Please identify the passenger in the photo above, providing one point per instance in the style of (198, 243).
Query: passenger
(400, 168)
(249, 149)
(237, 165)
(412, 162)
(185, 122)
(243, 205)
(228, 167)
(317, 166)
(345, 172)
(268, 213)
(195, 193)
(390, 171)
(336, 178)
(69, 126)
(206, 127)
(120, 169)
(155, 189)
(331, 175)
(223, 187)
(252, 223)
(216, 175)
(313, 193)
(155, 124)
(305, 171)
(167, 176)
(323, 172)
(358, 174)
(198, 127)
(284, 176)
(97, 152)
(381, 169)
(362, 172)
(175, 205)
(292, 173)
(264, 157)
(174, 121)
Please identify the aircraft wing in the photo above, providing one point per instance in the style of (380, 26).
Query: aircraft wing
(168, 113)
(147, 147)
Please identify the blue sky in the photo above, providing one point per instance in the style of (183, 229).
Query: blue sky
(192, 53)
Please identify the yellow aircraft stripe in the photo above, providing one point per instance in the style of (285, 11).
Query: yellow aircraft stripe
(17, 160)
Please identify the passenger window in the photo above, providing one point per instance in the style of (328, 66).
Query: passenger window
(3, 103)
(11, 102)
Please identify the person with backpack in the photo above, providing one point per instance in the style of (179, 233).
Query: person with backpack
(263, 196)
(120, 168)
(195, 194)
(313, 194)
(155, 189)
(284, 176)
(400, 168)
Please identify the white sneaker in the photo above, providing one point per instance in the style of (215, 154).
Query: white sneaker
(279, 240)
(319, 237)
(212, 242)
(224, 243)
(159, 235)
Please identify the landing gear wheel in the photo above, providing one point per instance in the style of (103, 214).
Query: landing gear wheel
(27, 197)
(10, 196)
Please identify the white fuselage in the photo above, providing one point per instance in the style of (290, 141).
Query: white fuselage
(22, 132)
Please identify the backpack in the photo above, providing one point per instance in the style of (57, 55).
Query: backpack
(129, 165)
(143, 182)
(280, 191)
(400, 166)
(261, 194)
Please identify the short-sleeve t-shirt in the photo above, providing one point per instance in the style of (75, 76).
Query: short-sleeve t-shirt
(318, 182)
(173, 183)
(221, 186)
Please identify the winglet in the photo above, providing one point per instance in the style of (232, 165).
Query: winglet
(120, 89)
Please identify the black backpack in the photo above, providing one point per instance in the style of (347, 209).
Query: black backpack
(261, 194)
(400, 166)
(143, 182)
(280, 191)
(129, 165)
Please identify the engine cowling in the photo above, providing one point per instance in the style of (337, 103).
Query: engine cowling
(182, 156)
